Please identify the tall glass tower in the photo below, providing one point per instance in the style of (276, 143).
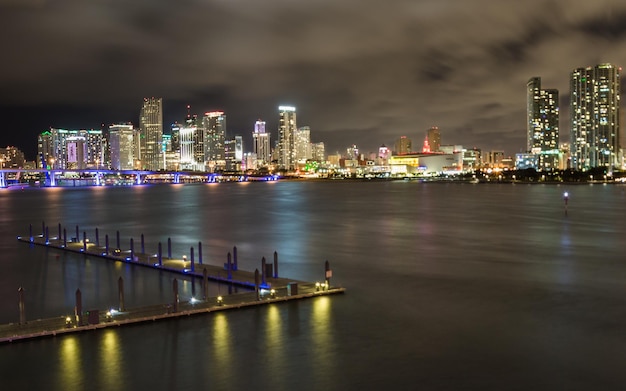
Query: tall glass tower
(595, 99)
(214, 125)
(151, 133)
(543, 124)
(287, 140)
(261, 143)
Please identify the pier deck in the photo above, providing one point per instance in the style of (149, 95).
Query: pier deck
(267, 289)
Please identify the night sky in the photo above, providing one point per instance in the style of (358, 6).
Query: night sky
(359, 72)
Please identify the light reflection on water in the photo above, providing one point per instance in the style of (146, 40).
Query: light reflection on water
(443, 281)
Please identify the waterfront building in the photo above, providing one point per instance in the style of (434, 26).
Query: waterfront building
(472, 159)
(525, 161)
(426, 163)
(214, 125)
(403, 146)
(542, 127)
(594, 117)
(261, 144)
(303, 144)
(121, 147)
(71, 149)
(286, 138)
(151, 130)
(233, 152)
(318, 152)
(186, 136)
(433, 135)
(11, 157)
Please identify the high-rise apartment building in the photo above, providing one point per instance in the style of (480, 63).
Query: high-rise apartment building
(403, 146)
(286, 138)
(303, 144)
(261, 141)
(151, 132)
(214, 125)
(542, 127)
(433, 135)
(594, 114)
(121, 146)
(71, 149)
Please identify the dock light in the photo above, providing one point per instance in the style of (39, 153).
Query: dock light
(566, 197)
(68, 321)
(184, 258)
(193, 300)
(273, 293)
(220, 300)
(109, 316)
(326, 286)
(317, 286)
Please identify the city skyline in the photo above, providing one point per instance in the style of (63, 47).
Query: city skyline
(365, 76)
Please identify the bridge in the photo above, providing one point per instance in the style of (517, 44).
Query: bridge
(101, 177)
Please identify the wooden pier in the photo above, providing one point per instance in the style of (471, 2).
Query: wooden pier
(267, 287)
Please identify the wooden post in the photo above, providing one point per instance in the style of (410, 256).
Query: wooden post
(256, 284)
(97, 238)
(200, 253)
(275, 264)
(30, 232)
(229, 267)
(143, 245)
(175, 288)
(120, 292)
(235, 258)
(263, 263)
(193, 267)
(84, 241)
(160, 255)
(43, 228)
(64, 237)
(132, 250)
(78, 310)
(47, 236)
(20, 293)
(169, 248)
(106, 243)
(77, 235)
(117, 235)
(59, 237)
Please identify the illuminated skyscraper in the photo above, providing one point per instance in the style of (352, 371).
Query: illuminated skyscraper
(403, 146)
(121, 138)
(151, 130)
(303, 144)
(262, 144)
(542, 127)
(214, 124)
(433, 135)
(595, 133)
(286, 138)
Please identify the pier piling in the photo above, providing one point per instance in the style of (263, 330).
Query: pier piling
(120, 291)
(59, 237)
(97, 238)
(143, 245)
(169, 248)
(160, 255)
(256, 284)
(84, 241)
(263, 268)
(77, 235)
(106, 243)
(20, 293)
(175, 288)
(47, 236)
(193, 267)
(117, 243)
(30, 232)
(43, 228)
(132, 250)
(229, 267)
(235, 267)
(64, 237)
(78, 310)
(275, 264)
(200, 253)
(327, 273)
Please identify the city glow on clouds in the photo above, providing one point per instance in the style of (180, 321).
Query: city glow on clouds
(359, 72)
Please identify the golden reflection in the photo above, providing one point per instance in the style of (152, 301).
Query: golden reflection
(320, 326)
(111, 368)
(222, 344)
(274, 328)
(70, 359)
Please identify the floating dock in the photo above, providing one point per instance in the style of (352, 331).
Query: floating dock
(267, 287)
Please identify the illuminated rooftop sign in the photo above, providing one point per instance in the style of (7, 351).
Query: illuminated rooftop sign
(286, 108)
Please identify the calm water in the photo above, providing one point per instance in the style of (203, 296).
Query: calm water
(450, 286)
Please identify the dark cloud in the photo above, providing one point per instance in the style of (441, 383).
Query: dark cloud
(359, 71)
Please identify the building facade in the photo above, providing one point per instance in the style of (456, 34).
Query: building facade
(151, 133)
(595, 117)
(214, 125)
(287, 138)
(121, 147)
(261, 145)
(542, 127)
